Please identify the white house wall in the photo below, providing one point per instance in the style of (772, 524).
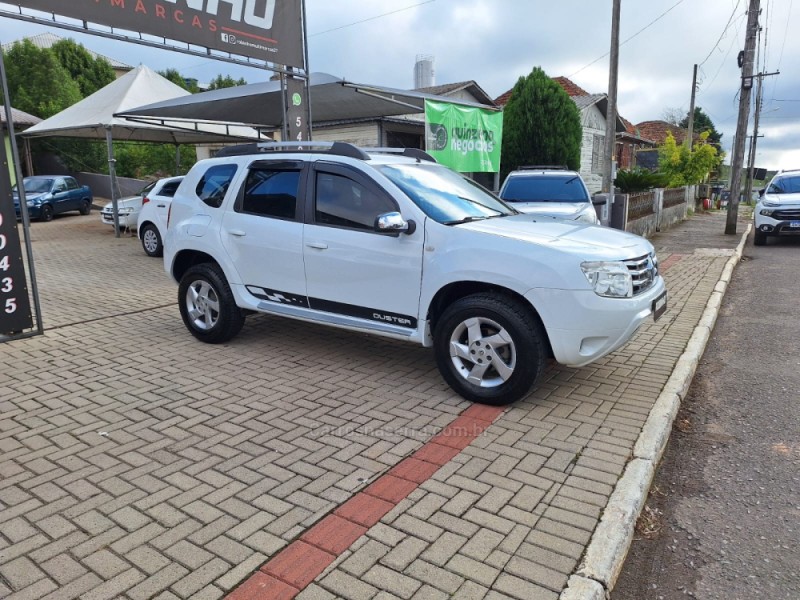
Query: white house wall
(360, 134)
(593, 123)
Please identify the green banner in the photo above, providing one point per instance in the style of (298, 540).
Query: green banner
(464, 138)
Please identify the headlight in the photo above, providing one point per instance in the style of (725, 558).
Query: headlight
(125, 211)
(30, 203)
(768, 203)
(609, 279)
(767, 212)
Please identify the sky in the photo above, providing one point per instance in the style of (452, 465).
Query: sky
(494, 42)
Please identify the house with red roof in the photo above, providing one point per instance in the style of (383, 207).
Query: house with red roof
(593, 110)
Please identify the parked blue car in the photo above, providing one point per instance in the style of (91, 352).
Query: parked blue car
(49, 195)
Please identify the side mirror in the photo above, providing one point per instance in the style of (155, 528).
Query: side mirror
(393, 222)
(761, 192)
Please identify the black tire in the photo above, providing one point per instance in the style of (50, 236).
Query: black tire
(523, 356)
(151, 240)
(86, 207)
(46, 213)
(759, 239)
(202, 287)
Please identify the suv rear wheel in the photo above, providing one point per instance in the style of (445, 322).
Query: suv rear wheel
(490, 348)
(207, 305)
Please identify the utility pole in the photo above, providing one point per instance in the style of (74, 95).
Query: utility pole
(746, 87)
(690, 133)
(751, 162)
(611, 113)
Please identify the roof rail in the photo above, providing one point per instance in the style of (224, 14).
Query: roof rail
(338, 148)
(409, 152)
(543, 168)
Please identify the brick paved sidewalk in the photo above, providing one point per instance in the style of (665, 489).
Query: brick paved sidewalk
(138, 463)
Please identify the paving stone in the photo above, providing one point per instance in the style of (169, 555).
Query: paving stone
(21, 573)
(106, 564)
(392, 581)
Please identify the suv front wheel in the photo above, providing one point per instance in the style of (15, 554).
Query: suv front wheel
(207, 305)
(490, 348)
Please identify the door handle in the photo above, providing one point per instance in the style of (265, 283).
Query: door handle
(237, 232)
(318, 245)
(162, 206)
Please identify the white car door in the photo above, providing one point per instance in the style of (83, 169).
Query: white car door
(351, 269)
(161, 201)
(264, 233)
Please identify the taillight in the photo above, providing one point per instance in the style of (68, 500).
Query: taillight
(145, 200)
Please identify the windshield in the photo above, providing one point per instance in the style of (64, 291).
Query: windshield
(444, 195)
(543, 188)
(37, 185)
(785, 185)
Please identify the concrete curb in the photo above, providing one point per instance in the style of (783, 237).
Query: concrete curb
(605, 555)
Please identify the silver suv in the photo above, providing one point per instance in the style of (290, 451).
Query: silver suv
(549, 191)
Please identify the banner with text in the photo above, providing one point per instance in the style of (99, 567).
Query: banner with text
(270, 30)
(466, 139)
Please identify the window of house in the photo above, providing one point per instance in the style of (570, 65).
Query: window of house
(598, 147)
(271, 192)
(343, 202)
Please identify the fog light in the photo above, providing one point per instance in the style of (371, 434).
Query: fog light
(766, 228)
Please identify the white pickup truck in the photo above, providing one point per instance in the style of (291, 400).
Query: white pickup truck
(391, 243)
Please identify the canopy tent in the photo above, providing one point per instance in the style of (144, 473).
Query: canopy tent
(94, 117)
(261, 104)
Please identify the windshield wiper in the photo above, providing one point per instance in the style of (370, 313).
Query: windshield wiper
(466, 220)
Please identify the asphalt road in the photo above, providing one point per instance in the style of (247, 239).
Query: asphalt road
(723, 517)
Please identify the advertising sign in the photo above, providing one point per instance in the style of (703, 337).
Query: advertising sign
(15, 306)
(464, 138)
(298, 129)
(270, 30)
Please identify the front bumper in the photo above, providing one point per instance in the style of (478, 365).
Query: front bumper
(770, 226)
(584, 327)
(34, 212)
(127, 221)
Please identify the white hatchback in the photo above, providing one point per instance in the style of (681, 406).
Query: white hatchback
(152, 220)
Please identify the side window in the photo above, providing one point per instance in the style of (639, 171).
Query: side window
(342, 202)
(59, 186)
(169, 189)
(214, 184)
(271, 192)
(71, 183)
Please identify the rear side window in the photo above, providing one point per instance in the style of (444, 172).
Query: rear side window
(214, 184)
(271, 192)
(168, 189)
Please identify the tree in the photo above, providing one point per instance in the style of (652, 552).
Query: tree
(673, 116)
(190, 85)
(684, 167)
(227, 81)
(91, 73)
(541, 125)
(702, 122)
(37, 82)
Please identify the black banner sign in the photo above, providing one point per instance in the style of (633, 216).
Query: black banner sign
(270, 30)
(15, 305)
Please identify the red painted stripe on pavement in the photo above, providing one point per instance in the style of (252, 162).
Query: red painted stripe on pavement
(287, 573)
(670, 261)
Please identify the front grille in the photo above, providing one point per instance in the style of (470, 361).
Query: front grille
(787, 214)
(644, 271)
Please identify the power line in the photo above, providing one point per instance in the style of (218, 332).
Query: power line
(653, 22)
(394, 12)
(724, 31)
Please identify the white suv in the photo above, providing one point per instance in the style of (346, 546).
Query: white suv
(393, 244)
(778, 208)
(549, 191)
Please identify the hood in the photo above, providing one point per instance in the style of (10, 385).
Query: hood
(782, 198)
(570, 236)
(563, 210)
(29, 197)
